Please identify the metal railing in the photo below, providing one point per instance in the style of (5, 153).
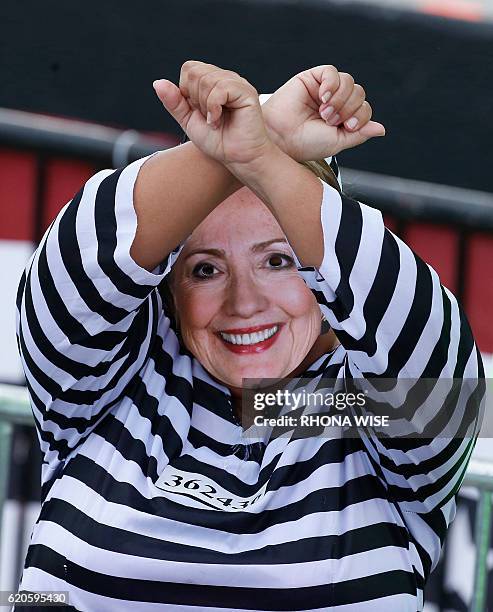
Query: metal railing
(15, 409)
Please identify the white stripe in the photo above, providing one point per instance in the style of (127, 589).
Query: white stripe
(330, 216)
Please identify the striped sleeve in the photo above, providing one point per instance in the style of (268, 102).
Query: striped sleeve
(86, 312)
(403, 331)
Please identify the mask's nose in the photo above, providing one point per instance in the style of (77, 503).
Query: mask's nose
(245, 297)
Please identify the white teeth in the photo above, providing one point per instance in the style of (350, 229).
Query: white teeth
(253, 338)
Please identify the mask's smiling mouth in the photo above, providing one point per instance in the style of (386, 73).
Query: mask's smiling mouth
(250, 339)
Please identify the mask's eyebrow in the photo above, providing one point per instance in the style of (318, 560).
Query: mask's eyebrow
(260, 246)
(214, 252)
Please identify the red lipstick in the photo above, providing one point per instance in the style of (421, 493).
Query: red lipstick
(258, 347)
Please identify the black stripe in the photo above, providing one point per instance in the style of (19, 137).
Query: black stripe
(351, 591)
(20, 290)
(66, 608)
(213, 399)
(346, 249)
(367, 588)
(364, 539)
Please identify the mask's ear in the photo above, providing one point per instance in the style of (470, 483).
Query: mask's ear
(169, 302)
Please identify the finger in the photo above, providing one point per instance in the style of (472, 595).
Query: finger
(190, 75)
(230, 92)
(218, 97)
(173, 101)
(352, 139)
(215, 111)
(359, 118)
(185, 72)
(329, 84)
(319, 81)
(222, 92)
(208, 81)
(353, 103)
(373, 129)
(338, 99)
(194, 74)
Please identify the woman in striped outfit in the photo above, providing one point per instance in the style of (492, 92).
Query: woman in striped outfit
(152, 497)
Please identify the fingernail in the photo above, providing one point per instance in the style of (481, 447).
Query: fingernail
(326, 96)
(335, 120)
(209, 118)
(325, 114)
(352, 123)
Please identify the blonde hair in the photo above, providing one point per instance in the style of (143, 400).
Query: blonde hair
(323, 171)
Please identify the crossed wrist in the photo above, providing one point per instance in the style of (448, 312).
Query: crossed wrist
(273, 135)
(251, 171)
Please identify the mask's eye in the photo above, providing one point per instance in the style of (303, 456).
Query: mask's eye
(279, 260)
(204, 270)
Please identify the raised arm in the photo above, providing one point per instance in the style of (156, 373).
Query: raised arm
(226, 114)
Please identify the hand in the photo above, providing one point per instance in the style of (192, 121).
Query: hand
(219, 111)
(297, 120)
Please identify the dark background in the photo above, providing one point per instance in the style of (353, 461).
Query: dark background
(428, 78)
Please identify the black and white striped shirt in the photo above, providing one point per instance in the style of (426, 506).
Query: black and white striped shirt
(318, 523)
